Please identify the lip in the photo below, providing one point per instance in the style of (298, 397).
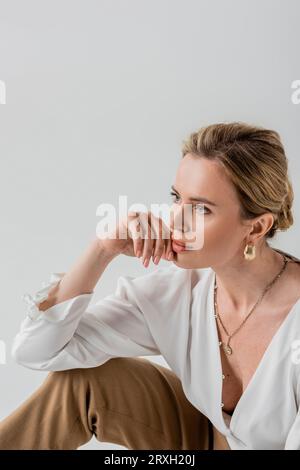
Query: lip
(178, 248)
(178, 242)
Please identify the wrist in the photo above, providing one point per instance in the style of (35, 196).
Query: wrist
(104, 248)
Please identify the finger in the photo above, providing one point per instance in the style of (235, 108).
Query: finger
(168, 253)
(148, 240)
(136, 233)
(169, 250)
(159, 242)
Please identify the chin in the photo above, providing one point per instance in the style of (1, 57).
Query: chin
(184, 260)
(189, 260)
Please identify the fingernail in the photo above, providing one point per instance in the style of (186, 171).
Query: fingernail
(156, 260)
(170, 256)
(146, 261)
(138, 253)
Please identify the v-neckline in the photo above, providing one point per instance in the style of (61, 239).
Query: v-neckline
(250, 385)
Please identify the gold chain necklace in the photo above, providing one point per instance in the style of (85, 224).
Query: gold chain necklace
(228, 349)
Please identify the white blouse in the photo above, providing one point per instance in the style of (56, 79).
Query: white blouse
(170, 311)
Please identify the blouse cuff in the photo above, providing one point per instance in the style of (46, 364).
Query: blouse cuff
(33, 301)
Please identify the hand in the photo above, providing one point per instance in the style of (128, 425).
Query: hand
(145, 235)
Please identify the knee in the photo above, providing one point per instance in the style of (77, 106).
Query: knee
(112, 367)
(68, 375)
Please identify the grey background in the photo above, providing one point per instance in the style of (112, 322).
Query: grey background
(100, 95)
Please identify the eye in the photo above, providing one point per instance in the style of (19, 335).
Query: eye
(196, 207)
(200, 207)
(174, 196)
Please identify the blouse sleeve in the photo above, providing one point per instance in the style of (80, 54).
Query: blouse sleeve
(75, 334)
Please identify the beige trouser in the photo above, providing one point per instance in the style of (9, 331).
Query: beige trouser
(132, 402)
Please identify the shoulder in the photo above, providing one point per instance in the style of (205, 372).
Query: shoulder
(166, 283)
(158, 281)
(290, 283)
(292, 257)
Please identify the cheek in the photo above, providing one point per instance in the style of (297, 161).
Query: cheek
(222, 235)
(221, 231)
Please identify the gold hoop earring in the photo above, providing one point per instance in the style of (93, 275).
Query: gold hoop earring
(249, 252)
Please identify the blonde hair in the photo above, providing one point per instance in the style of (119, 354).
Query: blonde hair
(255, 161)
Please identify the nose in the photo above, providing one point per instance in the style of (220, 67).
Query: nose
(176, 218)
(181, 217)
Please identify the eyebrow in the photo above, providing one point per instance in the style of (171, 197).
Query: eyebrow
(198, 199)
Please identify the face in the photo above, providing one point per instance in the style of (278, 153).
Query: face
(223, 232)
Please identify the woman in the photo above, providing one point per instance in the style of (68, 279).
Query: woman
(225, 316)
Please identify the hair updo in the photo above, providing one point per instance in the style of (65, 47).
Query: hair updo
(255, 161)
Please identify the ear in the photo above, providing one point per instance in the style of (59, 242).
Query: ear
(260, 226)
